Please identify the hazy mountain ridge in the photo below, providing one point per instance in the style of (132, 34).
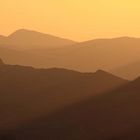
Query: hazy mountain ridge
(89, 56)
(131, 70)
(27, 39)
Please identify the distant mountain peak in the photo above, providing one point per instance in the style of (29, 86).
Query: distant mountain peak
(32, 33)
(20, 32)
(25, 38)
(23, 30)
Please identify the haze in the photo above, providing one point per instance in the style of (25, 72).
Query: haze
(75, 19)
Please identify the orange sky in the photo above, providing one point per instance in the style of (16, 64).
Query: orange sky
(74, 19)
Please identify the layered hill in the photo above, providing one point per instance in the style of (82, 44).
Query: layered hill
(130, 71)
(111, 116)
(28, 93)
(28, 39)
(106, 54)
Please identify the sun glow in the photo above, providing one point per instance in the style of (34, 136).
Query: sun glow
(75, 19)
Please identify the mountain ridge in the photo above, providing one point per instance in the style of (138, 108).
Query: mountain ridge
(89, 56)
(27, 31)
(42, 91)
(27, 39)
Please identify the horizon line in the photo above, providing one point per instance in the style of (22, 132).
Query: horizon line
(78, 41)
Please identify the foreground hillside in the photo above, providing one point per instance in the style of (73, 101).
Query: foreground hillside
(111, 116)
(27, 93)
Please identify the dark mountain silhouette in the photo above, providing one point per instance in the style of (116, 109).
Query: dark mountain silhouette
(111, 116)
(27, 93)
(86, 56)
(27, 39)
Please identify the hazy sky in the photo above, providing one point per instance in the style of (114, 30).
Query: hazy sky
(75, 19)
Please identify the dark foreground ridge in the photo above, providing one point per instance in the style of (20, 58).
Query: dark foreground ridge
(111, 116)
(27, 93)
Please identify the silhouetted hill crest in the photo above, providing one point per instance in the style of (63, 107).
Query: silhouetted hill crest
(30, 37)
(27, 39)
(22, 32)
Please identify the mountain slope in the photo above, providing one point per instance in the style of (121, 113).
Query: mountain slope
(111, 116)
(129, 71)
(106, 54)
(14, 57)
(27, 39)
(27, 93)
